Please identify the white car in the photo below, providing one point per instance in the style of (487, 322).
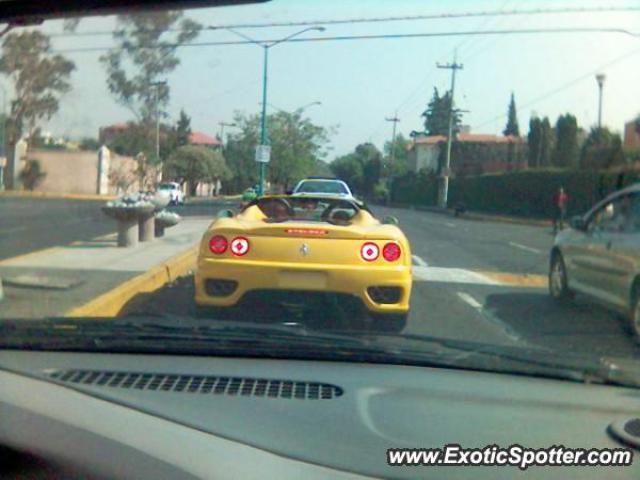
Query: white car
(326, 186)
(176, 195)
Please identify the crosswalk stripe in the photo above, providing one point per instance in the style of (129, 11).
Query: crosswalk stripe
(461, 275)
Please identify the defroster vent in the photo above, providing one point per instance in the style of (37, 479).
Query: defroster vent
(199, 384)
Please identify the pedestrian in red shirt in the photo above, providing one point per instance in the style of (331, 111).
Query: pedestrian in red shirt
(560, 201)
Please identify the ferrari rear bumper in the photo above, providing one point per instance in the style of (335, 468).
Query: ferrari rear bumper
(363, 281)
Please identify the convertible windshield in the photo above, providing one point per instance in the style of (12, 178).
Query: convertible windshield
(414, 181)
(308, 209)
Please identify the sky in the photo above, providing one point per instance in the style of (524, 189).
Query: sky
(360, 83)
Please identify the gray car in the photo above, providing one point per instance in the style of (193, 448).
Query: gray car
(599, 256)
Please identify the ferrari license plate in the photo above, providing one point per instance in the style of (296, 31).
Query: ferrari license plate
(303, 280)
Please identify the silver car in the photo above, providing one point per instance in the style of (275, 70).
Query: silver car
(599, 256)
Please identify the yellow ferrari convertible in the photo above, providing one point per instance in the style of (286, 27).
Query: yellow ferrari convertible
(279, 245)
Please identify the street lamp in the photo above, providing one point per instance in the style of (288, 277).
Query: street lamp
(297, 110)
(600, 77)
(157, 86)
(262, 152)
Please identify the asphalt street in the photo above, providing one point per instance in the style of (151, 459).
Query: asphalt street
(28, 224)
(449, 300)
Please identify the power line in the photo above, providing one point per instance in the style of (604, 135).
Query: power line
(562, 87)
(388, 36)
(438, 16)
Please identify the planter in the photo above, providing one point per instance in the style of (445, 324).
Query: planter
(164, 220)
(128, 212)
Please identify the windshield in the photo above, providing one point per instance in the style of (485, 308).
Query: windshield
(313, 186)
(307, 209)
(478, 135)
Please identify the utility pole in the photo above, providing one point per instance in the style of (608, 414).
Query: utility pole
(395, 121)
(444, 192)
(600, 79)
(222, 125)
(157, 86)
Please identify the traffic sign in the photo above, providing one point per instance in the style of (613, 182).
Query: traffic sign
(263, 153)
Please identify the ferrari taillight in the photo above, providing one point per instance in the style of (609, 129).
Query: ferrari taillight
(239, 246)
(218, 244)
(391, 252)
(369, 251)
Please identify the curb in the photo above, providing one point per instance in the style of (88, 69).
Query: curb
(52, 195)
(110, 303)
(477, 216)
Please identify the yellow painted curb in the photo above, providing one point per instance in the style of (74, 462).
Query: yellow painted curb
(518, 279)
(110, 304)
(62, 196)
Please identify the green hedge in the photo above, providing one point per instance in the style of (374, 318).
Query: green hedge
(527, 193)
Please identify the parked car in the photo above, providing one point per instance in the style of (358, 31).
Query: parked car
(320, 244)
(176, 195)
(599, 255)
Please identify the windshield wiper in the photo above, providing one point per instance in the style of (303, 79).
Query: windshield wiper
(183, 335)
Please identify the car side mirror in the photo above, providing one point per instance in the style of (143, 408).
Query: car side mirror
(226, 213)
(578, 223)
(390, 220)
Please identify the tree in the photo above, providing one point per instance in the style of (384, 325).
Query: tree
(602, 149)
(512, 127)
(144, 55)
(32, 174)
(183, 129)
(176, 136)
(566, 151)
(39, 79)
(540, 139)
(399, 164)
(436, 116)
(296, 146)
(195, 164)
(361, 169)
(349, 168)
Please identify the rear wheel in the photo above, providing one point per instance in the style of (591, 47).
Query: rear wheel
(388, 322)
(558, 279)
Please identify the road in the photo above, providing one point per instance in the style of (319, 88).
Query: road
(28, 224)
(453, 259)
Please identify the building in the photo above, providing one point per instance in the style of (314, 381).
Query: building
(471, 153)
(109, 133)
(631, 135)
(199, 138)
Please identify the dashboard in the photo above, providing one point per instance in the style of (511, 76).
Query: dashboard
(158, 416)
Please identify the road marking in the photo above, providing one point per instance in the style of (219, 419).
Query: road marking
(524, 247)
(449, 224)
(518, 279)
(469, 300)
(489, 317)
(419, 261)
(451, 275)
(475, 277)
